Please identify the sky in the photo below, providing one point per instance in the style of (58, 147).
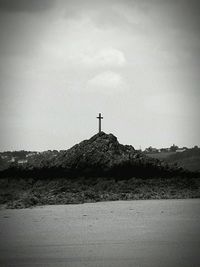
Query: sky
(64, 61)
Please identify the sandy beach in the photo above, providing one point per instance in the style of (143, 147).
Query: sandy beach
(122, 233)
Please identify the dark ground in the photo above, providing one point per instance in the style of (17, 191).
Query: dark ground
(28, 192)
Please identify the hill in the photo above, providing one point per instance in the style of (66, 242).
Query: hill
(9, 157)
(160, 155)
(101, 155)
(97, 169)
(189, 159)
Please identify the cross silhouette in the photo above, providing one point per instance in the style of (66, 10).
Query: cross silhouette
(100, 118)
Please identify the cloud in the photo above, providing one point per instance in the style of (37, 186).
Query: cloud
(25, 5)
(107, 82)
(104, 58)
(65, 54)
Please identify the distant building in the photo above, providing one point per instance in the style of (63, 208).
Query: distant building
(22, 161)
(12, 159)
(180, 150)
(4, 157)
(31, 154)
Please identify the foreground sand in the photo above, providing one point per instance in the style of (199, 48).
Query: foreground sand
(122, 233)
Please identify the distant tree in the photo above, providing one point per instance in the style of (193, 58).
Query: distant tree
(173, 148)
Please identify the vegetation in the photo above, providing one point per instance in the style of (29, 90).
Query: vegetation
(188, 159)
(160, 155)
(23, 193)
(100, 169)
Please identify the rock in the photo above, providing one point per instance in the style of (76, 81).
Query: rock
(101, 155)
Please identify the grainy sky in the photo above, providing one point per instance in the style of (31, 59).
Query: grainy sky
(63, 62)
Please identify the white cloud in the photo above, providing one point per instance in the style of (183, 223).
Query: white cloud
(109, 57)
(141, 56)
(107, 82)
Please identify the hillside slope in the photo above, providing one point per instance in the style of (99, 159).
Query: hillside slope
(101, 155)
(189, 159)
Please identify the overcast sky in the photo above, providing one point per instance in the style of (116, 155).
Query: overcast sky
(135, 61)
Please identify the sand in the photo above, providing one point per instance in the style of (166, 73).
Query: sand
(122, 233)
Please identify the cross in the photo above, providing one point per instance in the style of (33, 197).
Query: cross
(100, 118)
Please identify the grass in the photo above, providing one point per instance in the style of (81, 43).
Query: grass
(24, 193)
(189, 159)
(160, 155)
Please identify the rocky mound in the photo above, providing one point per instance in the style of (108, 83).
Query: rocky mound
(101, 155)
(101, 152)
